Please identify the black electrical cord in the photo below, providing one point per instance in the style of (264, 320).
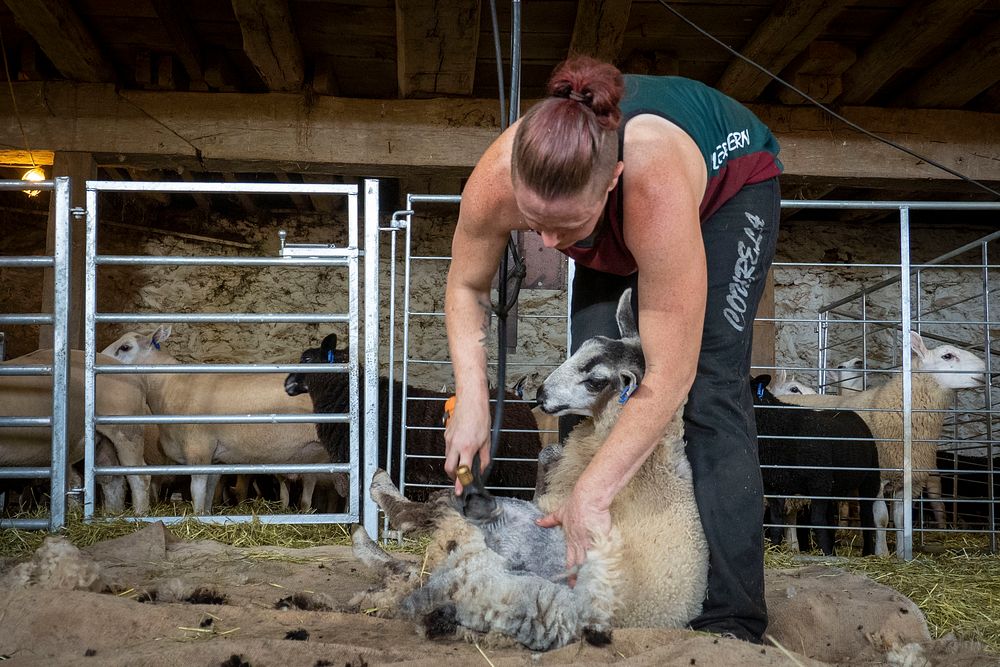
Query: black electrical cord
(827, 109)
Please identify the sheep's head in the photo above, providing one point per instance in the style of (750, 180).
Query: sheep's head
(602, 369)
(135, 348)
(326, 353)
(950, 366)
(785, 384)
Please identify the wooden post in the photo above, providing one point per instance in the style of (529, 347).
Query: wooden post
(763, 354)
(80, 167)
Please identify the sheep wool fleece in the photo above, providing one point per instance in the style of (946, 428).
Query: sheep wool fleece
(719, 423)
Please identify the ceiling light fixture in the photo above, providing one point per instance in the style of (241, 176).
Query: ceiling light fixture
(34, 175)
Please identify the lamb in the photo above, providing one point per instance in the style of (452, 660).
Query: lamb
(201, 444)
(115, 395)
(944, 369)
(494, 570)
(425, 443)
(789, 438)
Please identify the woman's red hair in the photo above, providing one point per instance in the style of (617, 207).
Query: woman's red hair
(567, 140)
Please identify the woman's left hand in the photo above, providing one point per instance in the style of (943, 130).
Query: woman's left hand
(581, 519)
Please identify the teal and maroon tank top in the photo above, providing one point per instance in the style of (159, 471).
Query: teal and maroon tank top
(738, 150)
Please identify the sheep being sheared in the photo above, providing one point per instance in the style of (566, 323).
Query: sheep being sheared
(493, 569)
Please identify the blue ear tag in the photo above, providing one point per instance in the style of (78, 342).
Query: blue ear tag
(156, 343)
(760, 390)
(626, 393)
(329, 356)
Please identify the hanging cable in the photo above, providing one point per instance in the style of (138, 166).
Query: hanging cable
(827, 109)
(13, 100)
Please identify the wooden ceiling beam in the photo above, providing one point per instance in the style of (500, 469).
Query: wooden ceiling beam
(436, 46)
(183, 38)
(783, 35)
(599, 28)
(245, 200)
(921, 27)
(301, 202)
(400, 137)
(202, 200)
(269, 40)
(817, 72)
(960, 77)
(64, 38)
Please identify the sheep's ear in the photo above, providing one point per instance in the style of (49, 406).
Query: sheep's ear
(626, 318)
(629, 382)
(917, 346)
(781, 376)
(519, 386)
(329, 343)
(161, 334)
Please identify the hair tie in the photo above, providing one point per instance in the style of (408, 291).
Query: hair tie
(583, 98)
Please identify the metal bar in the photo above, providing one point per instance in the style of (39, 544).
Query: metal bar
(89, 354)
(32, 262)
(60, 354)
(405, 377)
(26, 421)
(226, 469)
(26, 473)
(231, 318)
(222, 188)
(514, 110)
(166, 260)
(371, 407)
(904, 266)
(25, 524)
(26, 319)
(144, 369)
(305, 519)
(304, 418)
(40, 369)
(27, 185)
(891, 205)
(988, 397)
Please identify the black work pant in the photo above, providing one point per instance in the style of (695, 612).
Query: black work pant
(719, 423)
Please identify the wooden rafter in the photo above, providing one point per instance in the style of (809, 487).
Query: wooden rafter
(183, 38)
(269, 40)
(245, 200)
(921, 27)
(64, 38)
(324, 203)
(436, 46)
(783, 35)
(301, 202)
(961, 76)
(817, 72)
(599, 28)
(203, 200)
(207, 131)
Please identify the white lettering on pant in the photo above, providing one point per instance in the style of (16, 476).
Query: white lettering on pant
(747, 256)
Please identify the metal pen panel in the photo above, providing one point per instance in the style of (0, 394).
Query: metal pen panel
(907, 325)
(371, 380)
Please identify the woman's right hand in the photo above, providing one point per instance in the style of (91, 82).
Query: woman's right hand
(467, 432)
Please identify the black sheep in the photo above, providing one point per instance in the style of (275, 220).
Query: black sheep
(841, 441)
(330, 394)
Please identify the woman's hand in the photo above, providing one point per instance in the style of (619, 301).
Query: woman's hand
(467, 432)
(581, 519)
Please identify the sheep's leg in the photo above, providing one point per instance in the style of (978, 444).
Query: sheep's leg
(547, 460)
(933, 491)
(404, 515)
(791, 531)
(241, 489)
(112, 486)
(818, 517)
(880, 514)
(867, 514)
(308, 486)
(128, 444)
(283, 494)
(372, 555)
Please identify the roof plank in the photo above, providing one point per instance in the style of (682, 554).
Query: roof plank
(436, 46)
(599, 28)
(921, 27)
(783, 35)
(960, 77)
(64, 38)
(209, 131)
(182, 36)
(269, 40)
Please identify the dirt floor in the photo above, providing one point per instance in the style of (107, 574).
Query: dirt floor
(151, 599)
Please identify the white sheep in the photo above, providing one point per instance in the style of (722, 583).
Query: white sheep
(943, 370)
(848, 376)
(26, 396)
(202, 444)
(650, 572)
(785, 384)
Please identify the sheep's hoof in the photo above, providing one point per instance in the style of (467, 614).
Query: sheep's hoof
(441, 622)
(597, 637)
(382, 486)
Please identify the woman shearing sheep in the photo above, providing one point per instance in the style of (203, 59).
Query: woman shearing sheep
(662, 184)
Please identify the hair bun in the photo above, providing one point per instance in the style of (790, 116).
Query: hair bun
(594, 84)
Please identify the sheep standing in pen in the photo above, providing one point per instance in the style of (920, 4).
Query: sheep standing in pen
(330, 392)
(25, 396)
(848, 376)
(202, 444)
(818, 454)
(493, 571)
(942, 370)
